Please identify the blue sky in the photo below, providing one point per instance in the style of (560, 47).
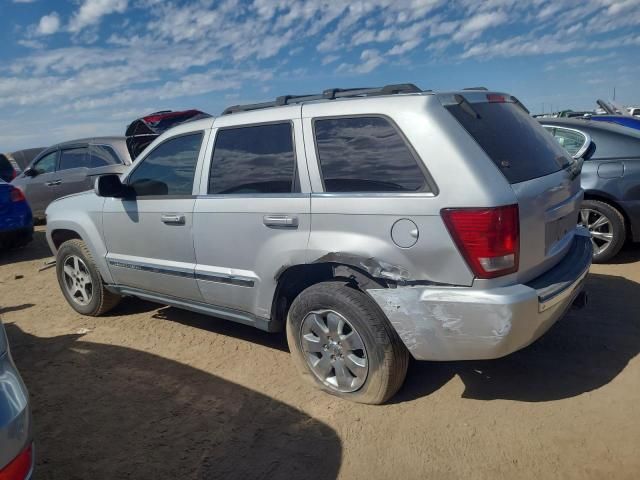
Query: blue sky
(74, 68)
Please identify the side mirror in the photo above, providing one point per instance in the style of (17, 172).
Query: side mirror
(111, 186)
(30, 172)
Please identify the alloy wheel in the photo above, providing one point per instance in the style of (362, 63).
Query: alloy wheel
(334, 350)
(77, 280)
(600, 228)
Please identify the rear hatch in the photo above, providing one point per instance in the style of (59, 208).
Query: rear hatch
(544, 178)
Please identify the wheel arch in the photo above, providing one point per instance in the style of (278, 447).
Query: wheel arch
(610, 200)
(292, 280)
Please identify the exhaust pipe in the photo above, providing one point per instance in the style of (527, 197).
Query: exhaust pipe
(581, 300)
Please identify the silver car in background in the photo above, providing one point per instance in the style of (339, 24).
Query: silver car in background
(16, 449)
(70, 167)
(370, 224)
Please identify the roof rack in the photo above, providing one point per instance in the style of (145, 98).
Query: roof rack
(329, 94)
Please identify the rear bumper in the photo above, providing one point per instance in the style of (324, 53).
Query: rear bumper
(15, 415)
(459, 323)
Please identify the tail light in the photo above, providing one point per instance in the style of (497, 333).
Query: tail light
(14, 174)
(488, 238)
(17, 195)
(19, 467)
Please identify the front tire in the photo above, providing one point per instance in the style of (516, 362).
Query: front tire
(607, 228)
(80, 281)
(342, 342)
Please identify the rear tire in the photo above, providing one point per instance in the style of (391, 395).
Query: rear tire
(607, 227)
(80, 281)
(362, 359)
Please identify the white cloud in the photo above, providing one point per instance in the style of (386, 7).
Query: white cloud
(371, 59)
(48, 24)
(474, 26)
(405, 47)
(91, 12)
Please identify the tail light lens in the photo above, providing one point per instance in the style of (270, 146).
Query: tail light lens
(488, 238)
(19, 467)
(17, 195)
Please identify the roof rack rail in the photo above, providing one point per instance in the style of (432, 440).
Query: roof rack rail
(329, 94)
(477, 88)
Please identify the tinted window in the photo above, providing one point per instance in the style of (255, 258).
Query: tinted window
(365, 154)
(256, 159)
(169, 168)
(514, 141)
(47, 163)
(570, 140)
(74, 158)
(6, 169)
(102, 155)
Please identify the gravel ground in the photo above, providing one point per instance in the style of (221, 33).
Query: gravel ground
(156, 392)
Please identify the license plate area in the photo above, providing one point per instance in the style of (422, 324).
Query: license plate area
(558, 229)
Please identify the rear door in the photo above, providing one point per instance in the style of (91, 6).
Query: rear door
(253, 216)
(73, 169)
(541, 173)
(103, 160)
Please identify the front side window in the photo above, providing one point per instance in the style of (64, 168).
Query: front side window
(365, 154)
(169, 169)
(258, 159)
(74, 158)
(46, 164)
(571, 140)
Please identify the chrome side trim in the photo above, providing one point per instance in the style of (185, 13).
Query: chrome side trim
(228, 279)
(145, 267)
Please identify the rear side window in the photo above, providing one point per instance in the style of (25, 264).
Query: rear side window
(258, 159)
(103, 155)
(169, 169)
(514, 141)
(365, 154)
(571, 140)
(74, 158)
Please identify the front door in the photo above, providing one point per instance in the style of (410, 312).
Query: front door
(253, 215)
(149, 236)
(42, 188)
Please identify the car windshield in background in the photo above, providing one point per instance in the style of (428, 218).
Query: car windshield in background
(513, 140)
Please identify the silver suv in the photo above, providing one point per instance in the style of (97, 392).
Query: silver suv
(373, 225)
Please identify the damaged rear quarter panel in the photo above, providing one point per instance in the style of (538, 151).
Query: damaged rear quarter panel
(367, 238)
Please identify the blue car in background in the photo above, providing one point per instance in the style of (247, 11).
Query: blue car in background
(16, 221)
(616, 114)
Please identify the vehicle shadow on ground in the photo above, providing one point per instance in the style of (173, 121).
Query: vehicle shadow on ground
(582, 352)
(36, 250)
(104, 411)
(629, 254)
(246, 333)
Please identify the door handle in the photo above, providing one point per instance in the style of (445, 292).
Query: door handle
(280, 221)
(173, 219)
(53, 183)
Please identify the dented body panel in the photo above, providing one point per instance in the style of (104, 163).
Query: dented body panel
(458, 323)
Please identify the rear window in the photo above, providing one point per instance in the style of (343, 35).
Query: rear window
(514, 141)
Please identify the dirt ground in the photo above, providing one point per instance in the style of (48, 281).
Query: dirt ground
(156, 392)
